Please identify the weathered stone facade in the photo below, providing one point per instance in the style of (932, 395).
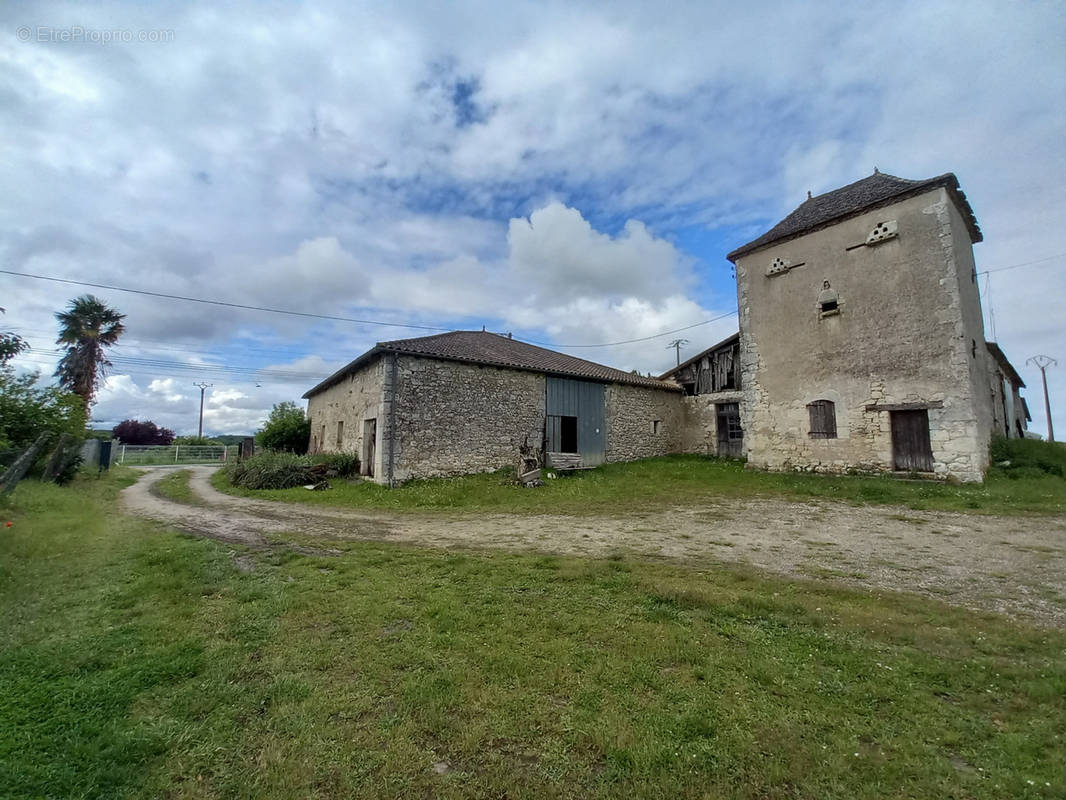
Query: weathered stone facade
(699, 433)
(642, 423)
(436, 417)
(454, 418)
(907, 330)
(345, 407)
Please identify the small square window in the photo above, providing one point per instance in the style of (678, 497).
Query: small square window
(656, 426)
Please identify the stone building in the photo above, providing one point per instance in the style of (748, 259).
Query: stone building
(464, 402)
(712, 385)
(1010, 412)
(861, 336)
(861, 347)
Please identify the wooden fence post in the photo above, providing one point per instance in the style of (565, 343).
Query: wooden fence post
(58, 460)
(23, 463)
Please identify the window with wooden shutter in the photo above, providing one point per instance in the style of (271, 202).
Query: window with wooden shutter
(823, 419)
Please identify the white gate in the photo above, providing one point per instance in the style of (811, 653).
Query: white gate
(157, 454)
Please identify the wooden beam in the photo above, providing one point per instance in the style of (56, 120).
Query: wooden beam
(905, 406)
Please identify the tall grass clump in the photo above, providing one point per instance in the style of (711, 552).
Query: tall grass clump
(1028, 458)
(286, 470)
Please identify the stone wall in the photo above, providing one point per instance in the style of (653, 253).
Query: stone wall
(905, 333)
(631, 414)
(699, 433)
(353, 400)
(454, 418)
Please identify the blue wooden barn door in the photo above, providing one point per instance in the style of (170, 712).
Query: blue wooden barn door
(575, 419)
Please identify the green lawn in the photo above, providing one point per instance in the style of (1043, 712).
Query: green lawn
(677, 480)
(139, 662)
(175, 486)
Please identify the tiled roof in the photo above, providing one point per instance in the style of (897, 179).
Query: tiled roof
(879, 189)
(492, 349)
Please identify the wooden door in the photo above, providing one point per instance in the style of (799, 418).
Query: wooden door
(370, 446)
(911, 450)
(730, 434)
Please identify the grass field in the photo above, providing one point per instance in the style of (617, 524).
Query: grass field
(138, 662)
(175, 486)
(677, 481)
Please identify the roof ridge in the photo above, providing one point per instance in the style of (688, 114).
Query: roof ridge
(497, 350)
(875, 174)
(857, 197)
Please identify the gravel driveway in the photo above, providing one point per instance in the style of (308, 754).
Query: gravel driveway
(1013, 565)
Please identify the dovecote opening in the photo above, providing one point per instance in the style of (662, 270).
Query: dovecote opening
(828, 301)
(882, 232)
(781, 265)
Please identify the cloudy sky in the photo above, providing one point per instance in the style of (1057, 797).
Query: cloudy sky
(572, 174)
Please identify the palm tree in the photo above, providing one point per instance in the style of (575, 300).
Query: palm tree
(86, 328)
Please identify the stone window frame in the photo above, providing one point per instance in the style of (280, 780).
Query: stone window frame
(656, 427)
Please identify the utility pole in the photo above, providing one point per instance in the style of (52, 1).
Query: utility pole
(677, 344)
(203, 388)
(1043, 362)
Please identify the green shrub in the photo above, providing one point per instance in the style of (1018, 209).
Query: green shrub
(286, 470)
(344, 464)
(1023, 458)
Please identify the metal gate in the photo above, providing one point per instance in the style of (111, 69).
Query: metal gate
(575, 419)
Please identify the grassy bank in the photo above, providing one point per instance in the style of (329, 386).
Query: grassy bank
(679, 480)
(137, 662)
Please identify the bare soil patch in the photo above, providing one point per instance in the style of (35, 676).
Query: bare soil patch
(1013, 565)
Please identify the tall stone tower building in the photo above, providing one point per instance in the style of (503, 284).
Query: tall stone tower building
(861, 336)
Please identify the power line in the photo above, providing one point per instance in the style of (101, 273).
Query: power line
(221, 302)
(140, 364)
(332, 318)
(1023, 264)
(234, 376)
(641, 339)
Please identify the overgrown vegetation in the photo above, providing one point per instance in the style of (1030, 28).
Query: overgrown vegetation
(1027, 458)
(27, 410)
(657, 483)
(136, 662)
(286, 470)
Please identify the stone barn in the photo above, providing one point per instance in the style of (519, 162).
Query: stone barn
(465, 401)
(862, 343)
(713, 394)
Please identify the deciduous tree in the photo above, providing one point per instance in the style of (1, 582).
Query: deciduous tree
(133, 431)
(286, 429)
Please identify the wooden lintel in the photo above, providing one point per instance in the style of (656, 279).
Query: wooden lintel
(905, 406)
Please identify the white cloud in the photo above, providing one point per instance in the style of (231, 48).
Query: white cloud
(448, 164)
(561, 255)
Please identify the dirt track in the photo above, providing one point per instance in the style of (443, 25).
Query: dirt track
(1015, 565)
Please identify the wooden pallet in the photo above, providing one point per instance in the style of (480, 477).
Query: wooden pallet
(564, 462)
